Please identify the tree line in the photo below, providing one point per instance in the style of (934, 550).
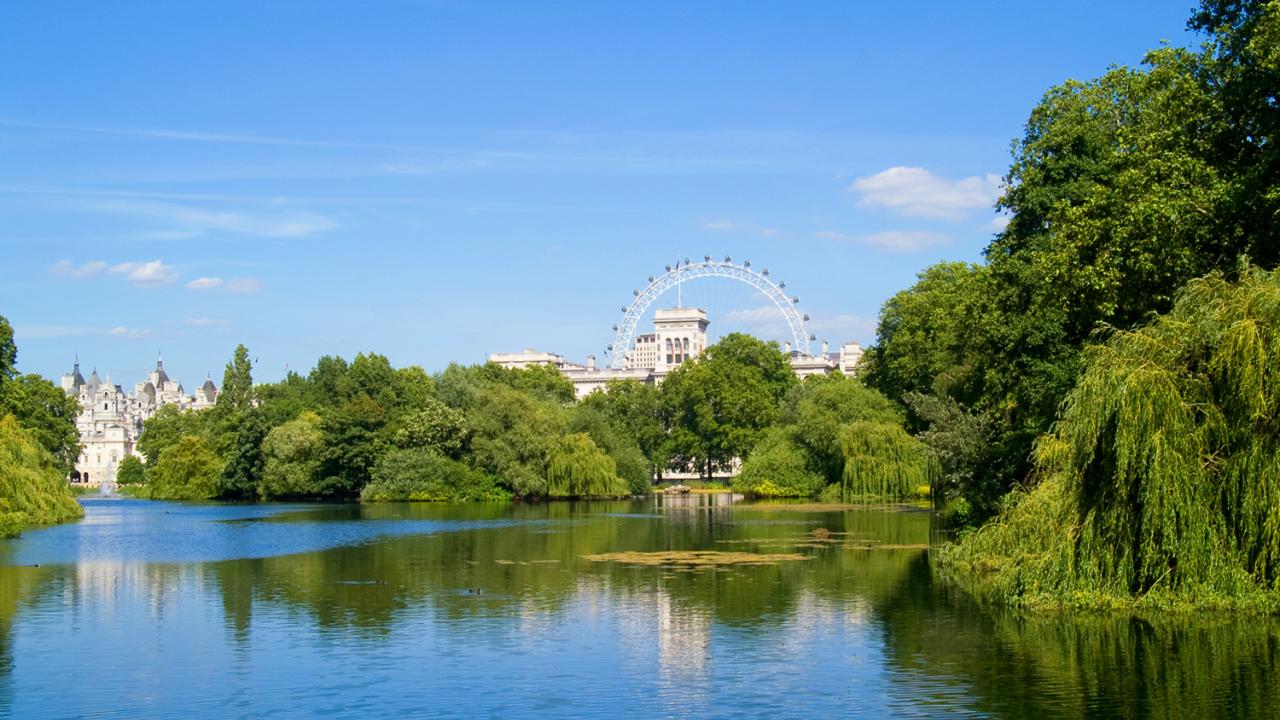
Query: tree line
(364, 429)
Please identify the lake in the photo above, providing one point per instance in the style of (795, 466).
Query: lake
(151, 609)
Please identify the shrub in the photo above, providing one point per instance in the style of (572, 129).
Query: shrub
(777, 468)
(421, 475)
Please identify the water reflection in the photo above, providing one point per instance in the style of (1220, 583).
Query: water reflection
(492, 609)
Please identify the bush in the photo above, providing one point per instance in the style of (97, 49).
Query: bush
(421, 475)
(777, 468)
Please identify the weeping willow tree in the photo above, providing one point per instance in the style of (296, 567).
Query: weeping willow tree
(32, 490)
(1162, 475)
(579, 468)
(882, 461)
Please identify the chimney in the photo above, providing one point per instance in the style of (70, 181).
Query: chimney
(824, 348)
(591, 362)
(788, 347)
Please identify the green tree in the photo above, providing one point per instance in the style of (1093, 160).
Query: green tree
(246, 461)
(436, 427)
(165, 428)
(778, 468)
(8, 351)
(929, 339)
(578, 468)
(352, 443)
(512, 437)
(633, 410)
(236, 395)
(292, 455)
(819, 408)
(1160, 480)
(131, 471)
(613, 439)
(33, 490)
(48, 413)
(882, 461)
(422, 475)
(187, 470)
(718, 405)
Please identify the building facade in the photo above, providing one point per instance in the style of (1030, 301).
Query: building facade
(110, 420)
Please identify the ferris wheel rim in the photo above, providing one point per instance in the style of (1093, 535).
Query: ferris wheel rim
(707, 268)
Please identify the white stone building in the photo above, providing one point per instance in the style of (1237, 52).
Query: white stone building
(110, 421)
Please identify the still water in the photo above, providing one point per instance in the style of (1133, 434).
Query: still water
(148, 609)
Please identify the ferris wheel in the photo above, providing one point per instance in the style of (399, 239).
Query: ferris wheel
(674, 278)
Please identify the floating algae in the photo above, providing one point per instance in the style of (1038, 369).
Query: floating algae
(694, 558)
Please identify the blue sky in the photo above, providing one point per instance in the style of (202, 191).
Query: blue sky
(439, 180)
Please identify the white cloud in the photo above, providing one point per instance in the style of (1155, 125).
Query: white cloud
(205, 322)
(66, 268)
(244, 285)
(146, 274)
(720, 226)
(916, 192)
(897, 241)
(130, 333)
(204, 283)
(1000, 222)
(770, 232)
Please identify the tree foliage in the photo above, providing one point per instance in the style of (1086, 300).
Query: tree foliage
(131, 471)
(718, 406)
(882, 461)
(1163, 474)
(778, 468)
(420, 474)
(578, 468)
(1122, 189)
(188, 469)
(33, 490)
(292, 455)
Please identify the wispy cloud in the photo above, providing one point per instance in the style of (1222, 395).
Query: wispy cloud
(188, 220)
(66, 331)
(244, 285)
(725, 225)
(471, 154)
(204, 283)
(146, 274)
(130, 333)
(1000, 222)
(205, 322)
(895, 241)
(68, 269)
(916, 192)
(720, 226)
